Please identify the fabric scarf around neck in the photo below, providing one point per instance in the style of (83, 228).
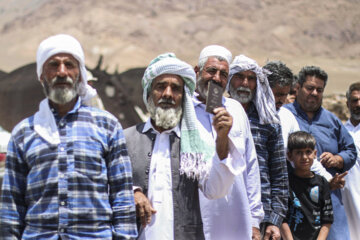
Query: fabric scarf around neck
(44, 121)
(263, 100)
(194, 153)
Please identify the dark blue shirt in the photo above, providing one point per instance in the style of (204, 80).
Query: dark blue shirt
(273, 170)
(330, 134)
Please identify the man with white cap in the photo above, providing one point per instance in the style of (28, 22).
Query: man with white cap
(173, 160)
(95, 101)
(238, 214)
(68, 175)
(248, 85)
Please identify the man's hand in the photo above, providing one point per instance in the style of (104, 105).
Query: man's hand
(329, 160)
(272, 232)
(222, 122)
(255, 234)
(338, 181)
(144, 209)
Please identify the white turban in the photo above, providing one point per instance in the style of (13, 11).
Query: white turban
(215, 50)
(44, 121)
(264, 98)
(63, 43)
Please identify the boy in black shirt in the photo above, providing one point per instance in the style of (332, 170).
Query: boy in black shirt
(310, 212)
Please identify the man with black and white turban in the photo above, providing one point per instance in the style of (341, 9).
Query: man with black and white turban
(248, 85)
(170, 158)
(67, 174)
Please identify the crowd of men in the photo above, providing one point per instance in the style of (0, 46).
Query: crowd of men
(188, 172)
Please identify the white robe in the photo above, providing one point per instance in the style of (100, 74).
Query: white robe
(351, 191)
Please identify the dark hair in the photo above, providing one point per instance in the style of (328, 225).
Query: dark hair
(312, 71)
(353, 87)
(280, 74)
(301, 139)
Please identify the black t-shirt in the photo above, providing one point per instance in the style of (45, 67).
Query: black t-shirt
(309, 206)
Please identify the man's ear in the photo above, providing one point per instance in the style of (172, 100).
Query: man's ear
(41, 78)
(289, 155)
(315, 152)
(197, 70)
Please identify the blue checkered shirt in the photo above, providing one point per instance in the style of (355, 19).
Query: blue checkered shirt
(79, 189)
(273, 169)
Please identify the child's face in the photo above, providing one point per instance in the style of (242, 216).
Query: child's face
(302, 158)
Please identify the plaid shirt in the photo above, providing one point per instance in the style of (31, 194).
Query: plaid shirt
(273, 169)
(79, 189)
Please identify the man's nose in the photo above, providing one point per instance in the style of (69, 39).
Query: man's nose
(217, 77)
(62, 71)
(167, 92)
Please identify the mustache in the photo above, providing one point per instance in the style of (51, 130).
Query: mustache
(166, 100)
(61, 80)
(243, 89)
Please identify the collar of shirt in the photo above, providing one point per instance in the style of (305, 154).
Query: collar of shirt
(75, 108)
(303, 114)
(148, 126)
(351, 127)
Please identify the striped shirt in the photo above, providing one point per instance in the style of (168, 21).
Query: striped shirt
(79, 189)
(273, 169)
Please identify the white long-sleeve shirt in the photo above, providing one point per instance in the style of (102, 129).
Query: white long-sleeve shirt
(351, 191)
(233, 216)
(216, 185)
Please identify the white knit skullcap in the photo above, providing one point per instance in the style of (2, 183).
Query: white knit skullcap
(63, 43)
(215, 50)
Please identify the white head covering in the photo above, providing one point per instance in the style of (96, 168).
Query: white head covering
(63, 43)
(215, 50)
(264, 98)
(194, 153)
(44, 121)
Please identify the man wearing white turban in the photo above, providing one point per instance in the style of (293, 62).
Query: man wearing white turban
(170, 159)
(248, 84)
(237, 215)
(67, 175)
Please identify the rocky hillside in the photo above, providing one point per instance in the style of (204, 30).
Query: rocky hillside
(130, 33)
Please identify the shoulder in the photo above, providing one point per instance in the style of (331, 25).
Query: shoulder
(136, 129)
(99, 117)
(24, 127)
(290, 107)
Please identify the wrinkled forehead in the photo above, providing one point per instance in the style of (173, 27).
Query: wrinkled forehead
(62, 57)
(168, 79)
(214, 62)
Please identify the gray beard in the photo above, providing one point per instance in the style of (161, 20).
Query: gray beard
(355, 116)
(61, 95)
(164, 118)
(240, 97)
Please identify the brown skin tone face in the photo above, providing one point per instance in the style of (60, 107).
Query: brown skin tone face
(246, 79)
(303, 159)
(61, 65)
(169, 87)
(214, 70)
(310, 95)
(353, 104)
(280, 94)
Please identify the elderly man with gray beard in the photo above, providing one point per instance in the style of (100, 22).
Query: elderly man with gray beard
(248, 84)
(67, 174)
(170, 158)
(237, 215)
